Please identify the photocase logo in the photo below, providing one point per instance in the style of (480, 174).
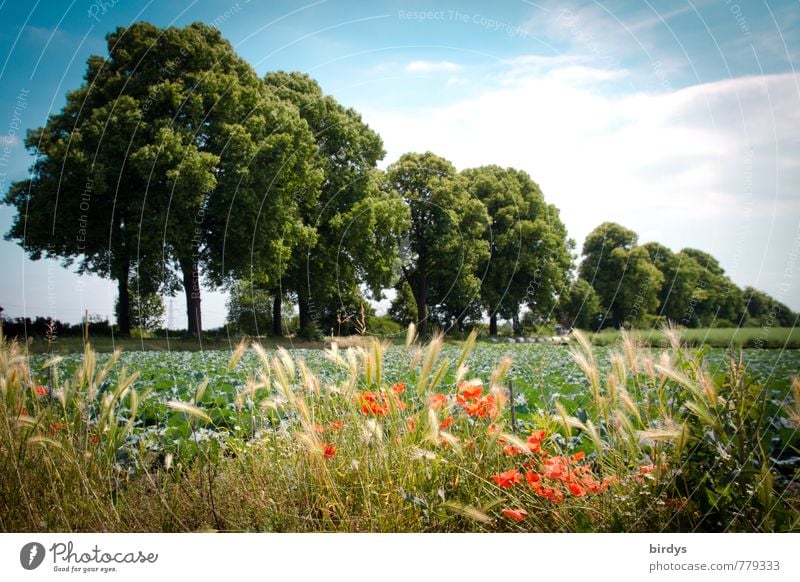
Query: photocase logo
(31, 555)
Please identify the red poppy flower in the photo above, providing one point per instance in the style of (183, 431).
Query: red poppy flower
(446, 423)
(555, 468)
(467, 392)
(515, 514)
(41, 390)
(534, 446)
(58, 426)
(438, 401)
(94, 438)
(493, 428)
(319, 428)
(399, 388)
(534, 441)
(372, 403)
(532, 478)
(336, 425)
(482, 407)
(647, 469)
(511, 450)
(578, 456)
(328, 451)
(576, 490)
(507, 479)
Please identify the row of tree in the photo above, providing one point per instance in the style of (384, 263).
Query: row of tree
(174, 165)
(623, 284)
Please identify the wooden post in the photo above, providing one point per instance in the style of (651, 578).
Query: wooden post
(85, 326)
(513, 411)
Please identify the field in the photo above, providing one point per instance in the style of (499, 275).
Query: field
(724, 337)
(402, 438)
(750, 337)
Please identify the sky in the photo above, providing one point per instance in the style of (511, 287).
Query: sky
(677, 119)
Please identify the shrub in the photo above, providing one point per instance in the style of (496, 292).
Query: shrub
(383, 326)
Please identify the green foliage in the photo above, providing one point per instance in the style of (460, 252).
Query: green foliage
(384, 326)
(766, 310)
(147, 308)
(353, 225)
(579, 307)
(529, 259)
(626, 283)
(249, 309)
(403, 309)
(715, 296)
(443, 245)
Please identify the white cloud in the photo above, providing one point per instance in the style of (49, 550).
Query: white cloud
(689, 164)
(428, 66)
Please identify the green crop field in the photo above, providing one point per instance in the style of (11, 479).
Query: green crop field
(458, 436)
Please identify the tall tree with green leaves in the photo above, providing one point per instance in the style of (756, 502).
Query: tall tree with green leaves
(763, 309)
(355, 221)
(681, 273)
(621, 274)
(145, 164)
(443, 246)
(83, 202)
(579, 307)
(717, 300)
(529, 261)
(147, 308)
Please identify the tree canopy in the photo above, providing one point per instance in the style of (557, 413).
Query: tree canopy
(443, 245)
(529, 260)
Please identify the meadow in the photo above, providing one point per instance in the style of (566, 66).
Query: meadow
(443, 436)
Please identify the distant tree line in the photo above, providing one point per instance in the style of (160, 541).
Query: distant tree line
(623, 284)
(174, 167)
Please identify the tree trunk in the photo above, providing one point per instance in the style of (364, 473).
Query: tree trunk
(277, 306)
(493, 324)
(515, 324)
(304, 307)
(460, 320)
(191, 287)
(420, 292)
(124, 304)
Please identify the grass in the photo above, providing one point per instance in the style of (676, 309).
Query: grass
(734, 337)
(407, 438)
(746, 337)
(180, 343)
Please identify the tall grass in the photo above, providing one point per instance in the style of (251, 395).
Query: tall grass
(664, 446)
(723, 337)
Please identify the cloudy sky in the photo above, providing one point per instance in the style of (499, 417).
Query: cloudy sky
(678, 119)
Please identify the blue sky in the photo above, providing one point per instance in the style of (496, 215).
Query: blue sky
(677, 119)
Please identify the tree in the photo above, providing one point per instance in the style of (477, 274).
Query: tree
(81, 201)
(140, 169)
(355, 223)
(443, 246)
(766, 310)
(682, 274)
(226, 166)
(403, 309)
(716, 299)
(249, 308)
(529, 261)
(621, 274)
(147, 308)
(579, 307)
